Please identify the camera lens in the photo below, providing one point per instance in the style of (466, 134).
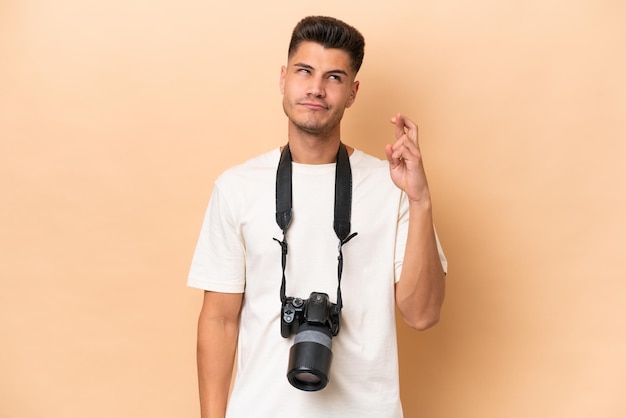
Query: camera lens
(307, 378)
(310, 358)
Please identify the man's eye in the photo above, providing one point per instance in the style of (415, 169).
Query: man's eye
(335, 77)
(304, 70)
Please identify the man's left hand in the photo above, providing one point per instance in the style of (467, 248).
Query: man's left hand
(405, 161)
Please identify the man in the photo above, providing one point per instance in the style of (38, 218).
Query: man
(395, 258)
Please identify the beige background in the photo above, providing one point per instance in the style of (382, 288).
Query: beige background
(117, 115)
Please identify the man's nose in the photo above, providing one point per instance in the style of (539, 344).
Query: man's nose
(316, 87)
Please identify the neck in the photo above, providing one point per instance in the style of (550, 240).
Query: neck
(314, 149)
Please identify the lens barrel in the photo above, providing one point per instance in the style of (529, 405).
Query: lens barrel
(310, 358)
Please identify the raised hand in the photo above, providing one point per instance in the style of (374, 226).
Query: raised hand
(405, 161)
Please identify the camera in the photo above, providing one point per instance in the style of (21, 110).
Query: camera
(314, 321)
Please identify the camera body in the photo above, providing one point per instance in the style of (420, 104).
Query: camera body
(314, 321)
(316, 310)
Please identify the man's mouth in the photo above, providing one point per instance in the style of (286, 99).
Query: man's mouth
(313, 105)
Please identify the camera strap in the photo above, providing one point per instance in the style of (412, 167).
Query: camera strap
(342, 213)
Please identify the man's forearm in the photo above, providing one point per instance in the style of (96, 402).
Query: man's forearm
(217, 340)
(420, 291)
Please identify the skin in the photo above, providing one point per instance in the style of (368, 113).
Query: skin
(421, 288)
(317, 85)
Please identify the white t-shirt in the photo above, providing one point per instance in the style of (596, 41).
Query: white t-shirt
(236, 253)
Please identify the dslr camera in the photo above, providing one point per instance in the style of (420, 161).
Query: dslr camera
(314, 321)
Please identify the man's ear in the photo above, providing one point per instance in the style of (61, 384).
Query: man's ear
(353, 93)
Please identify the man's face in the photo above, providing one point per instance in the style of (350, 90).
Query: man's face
(317, 86)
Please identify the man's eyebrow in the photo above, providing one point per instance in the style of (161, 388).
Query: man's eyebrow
(310, 67)
(303, 65)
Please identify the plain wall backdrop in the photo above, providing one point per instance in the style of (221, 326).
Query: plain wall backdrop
(116, 117)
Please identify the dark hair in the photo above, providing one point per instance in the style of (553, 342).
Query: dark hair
(330, 33)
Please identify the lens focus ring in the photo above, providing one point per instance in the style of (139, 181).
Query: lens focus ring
(314, 336)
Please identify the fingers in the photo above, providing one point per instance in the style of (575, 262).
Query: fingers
(404, 126)
(403, 155)
(392, 156)
(406, 146)
(398, 121)
(402, 149)
(396, 153)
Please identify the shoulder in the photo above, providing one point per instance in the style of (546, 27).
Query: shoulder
(364, 164)
(370, 175)
(256, 169)
(361, 159)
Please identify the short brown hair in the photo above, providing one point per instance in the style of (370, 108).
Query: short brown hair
(330, 33)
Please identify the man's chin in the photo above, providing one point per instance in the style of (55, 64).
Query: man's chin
(312, 128)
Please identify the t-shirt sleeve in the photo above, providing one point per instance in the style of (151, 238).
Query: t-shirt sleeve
(218, 262)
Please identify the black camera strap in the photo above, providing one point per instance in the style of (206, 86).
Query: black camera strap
(343, 206)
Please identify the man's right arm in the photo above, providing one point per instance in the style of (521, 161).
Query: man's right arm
(218, 330)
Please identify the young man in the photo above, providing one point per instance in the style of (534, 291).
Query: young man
(250, 273)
